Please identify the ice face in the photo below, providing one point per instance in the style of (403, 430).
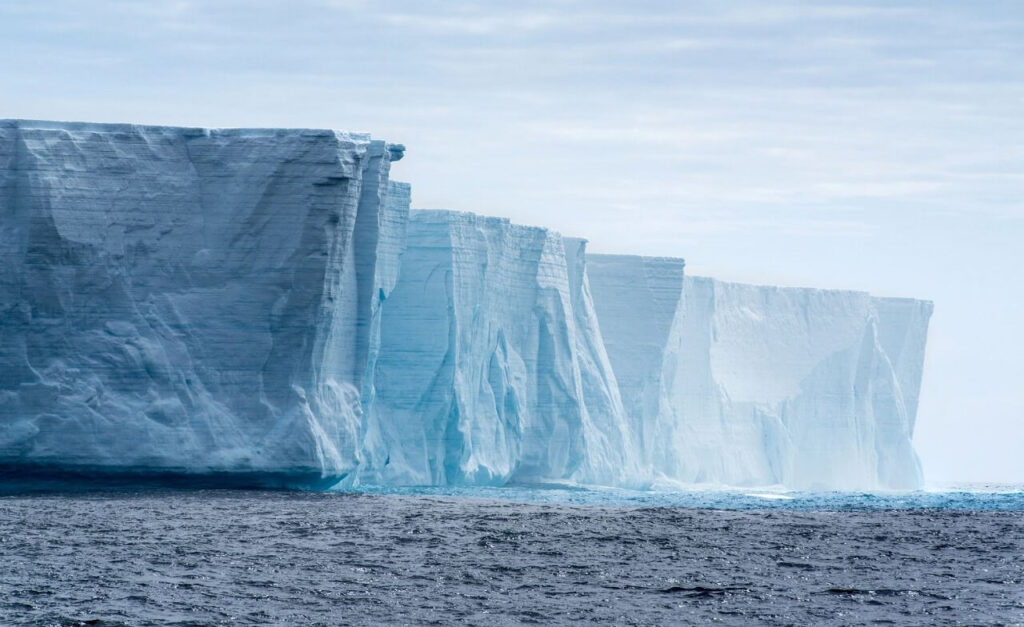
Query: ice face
(186, 300)
(811, 389)
(490, 367)
(638, 302)
(902, 331)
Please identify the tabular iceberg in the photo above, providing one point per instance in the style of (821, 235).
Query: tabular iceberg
(260, 307)
(189, 301)
(755, 385)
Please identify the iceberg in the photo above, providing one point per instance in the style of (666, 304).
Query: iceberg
(189, 301)
(261, 307)
(756, 385)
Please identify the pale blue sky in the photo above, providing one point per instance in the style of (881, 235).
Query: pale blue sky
(867, 145)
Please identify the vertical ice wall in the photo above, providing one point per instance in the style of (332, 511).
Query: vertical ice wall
(392, 225)
(800, 384)
(482, 375)
(754, 385)
(902, 332)
(639, 301)
(615, 447)
(184, 300)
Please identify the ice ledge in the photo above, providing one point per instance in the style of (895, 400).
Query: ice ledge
(396, 151)
(626, 257)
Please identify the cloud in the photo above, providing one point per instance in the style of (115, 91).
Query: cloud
(475, 24)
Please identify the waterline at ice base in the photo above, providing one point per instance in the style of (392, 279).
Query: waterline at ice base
(260, 307)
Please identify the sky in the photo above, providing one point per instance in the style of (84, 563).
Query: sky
(876, 146)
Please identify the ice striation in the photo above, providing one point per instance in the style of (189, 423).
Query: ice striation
(260, 307)
(638, 300)
(180, 300)
(491, 365)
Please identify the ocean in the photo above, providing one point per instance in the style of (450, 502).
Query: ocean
(511, 556)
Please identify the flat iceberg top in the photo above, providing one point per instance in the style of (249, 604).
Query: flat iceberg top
(804, 291)
(351, 138)
(646, 259)
(469, 219)
(120, 127)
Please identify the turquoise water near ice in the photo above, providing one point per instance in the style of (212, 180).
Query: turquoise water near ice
(989, 497)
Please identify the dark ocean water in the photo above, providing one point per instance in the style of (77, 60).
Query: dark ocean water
(289, 558)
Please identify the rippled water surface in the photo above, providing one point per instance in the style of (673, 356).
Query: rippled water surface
(218, 557)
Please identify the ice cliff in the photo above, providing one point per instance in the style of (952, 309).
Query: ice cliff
(179, 300)
(491, 364)
(260, 307)
(756, 385)
(638, 300)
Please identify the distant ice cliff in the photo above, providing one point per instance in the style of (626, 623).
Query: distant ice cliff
(757, 385)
